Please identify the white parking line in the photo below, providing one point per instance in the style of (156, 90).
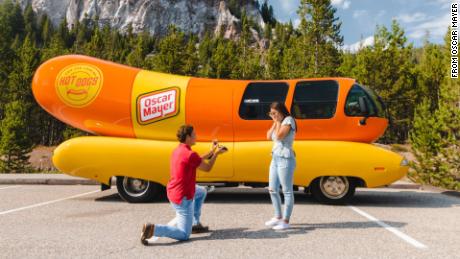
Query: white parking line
(393, 230)
(45, 203)
(8, 187)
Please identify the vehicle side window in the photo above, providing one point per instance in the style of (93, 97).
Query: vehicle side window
(257, 99)
(352, 103)
(315, 99)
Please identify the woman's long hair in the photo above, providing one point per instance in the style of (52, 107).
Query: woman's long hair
(281, 108)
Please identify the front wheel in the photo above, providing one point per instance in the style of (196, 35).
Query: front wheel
(135, 190)
(333, 189)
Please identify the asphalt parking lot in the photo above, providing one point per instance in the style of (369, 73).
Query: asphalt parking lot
(56, 221)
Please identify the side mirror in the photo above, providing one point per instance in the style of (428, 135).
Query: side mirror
(364, 109)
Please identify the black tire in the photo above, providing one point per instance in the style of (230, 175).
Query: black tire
(138, 190)
(333, 189)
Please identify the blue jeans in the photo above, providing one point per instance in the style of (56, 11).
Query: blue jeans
(282, 172)
(188, 213)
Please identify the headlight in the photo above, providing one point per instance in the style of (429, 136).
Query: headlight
(404, 162)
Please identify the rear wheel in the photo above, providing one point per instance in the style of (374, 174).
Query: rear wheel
(333, 189)
(135, 190)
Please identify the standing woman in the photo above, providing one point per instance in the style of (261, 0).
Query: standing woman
(282, 165)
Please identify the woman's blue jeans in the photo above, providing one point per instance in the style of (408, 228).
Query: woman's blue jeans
(281, 173)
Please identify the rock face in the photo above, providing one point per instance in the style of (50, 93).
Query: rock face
(196, 16)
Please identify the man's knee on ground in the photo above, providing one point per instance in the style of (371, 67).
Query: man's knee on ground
(184, 237)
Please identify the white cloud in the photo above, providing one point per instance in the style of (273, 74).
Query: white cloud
(285, 10)
(289, 5)
(359, 13)
(353, 48)
(436, 27)
(445, 4)
(296, 23)
(344, 4)
(337, 2)
(410, 18)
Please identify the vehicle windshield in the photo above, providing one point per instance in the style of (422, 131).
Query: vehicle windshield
(378, 102)
(375, 104)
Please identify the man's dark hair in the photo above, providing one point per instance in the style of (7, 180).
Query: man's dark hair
(183, 132)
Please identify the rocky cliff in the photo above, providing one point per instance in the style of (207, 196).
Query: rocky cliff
(196, 16)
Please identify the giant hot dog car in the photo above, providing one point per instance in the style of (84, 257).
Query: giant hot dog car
(135, 114)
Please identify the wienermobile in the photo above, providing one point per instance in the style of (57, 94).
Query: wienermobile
(135, 114)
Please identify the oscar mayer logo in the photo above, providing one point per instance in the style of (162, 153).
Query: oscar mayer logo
(78, 85)
(158, 105)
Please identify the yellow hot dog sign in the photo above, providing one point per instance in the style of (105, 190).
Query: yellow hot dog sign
(78, 85)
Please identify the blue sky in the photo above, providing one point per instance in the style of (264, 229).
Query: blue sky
(360, 17)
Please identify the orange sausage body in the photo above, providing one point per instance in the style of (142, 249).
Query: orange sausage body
(100, 97)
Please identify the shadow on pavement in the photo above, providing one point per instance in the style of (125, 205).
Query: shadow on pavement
(296, 229)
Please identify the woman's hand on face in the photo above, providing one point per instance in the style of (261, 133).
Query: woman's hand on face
(275, 127)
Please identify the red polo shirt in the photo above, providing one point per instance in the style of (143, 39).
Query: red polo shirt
(184, 163)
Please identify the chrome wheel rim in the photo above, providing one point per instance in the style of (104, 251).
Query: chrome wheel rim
(135, 187)
(334, 187)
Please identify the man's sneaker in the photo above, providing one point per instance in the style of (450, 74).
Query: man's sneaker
(147, 232)
(152, 239)
(281, 226)
(210, 188)
(198, 228)
(272, 222)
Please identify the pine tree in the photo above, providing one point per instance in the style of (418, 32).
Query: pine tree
(137, 56)
(171, 53)
(64, 34)
(23, 70)
(14, 142)
(431, 74)
(191, 57)
(268, 31)
(320, 29)
(81, 31)
(387, 67)
(11, 32)
(266, 11)
(246, 54)
(293, 62)
(56, 48)
(347, 64)
(204, 56)
(223, 58)
(95, 47)
(435, 135)
(11, 21)
(273, 62)
(46, 30)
